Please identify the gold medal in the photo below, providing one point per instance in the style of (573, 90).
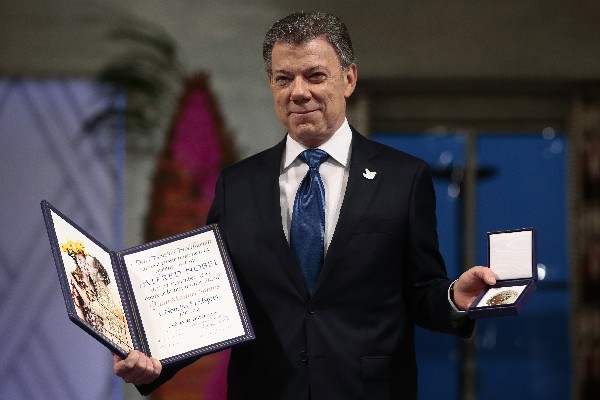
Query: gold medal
(504, 297)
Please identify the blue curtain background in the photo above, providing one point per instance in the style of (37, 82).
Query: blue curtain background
(522, 183)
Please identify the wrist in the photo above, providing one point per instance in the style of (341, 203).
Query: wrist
(451, 298)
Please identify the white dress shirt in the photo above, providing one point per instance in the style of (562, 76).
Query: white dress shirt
(334, 174)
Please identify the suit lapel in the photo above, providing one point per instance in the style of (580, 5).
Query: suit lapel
(266, 185)
(359, 191)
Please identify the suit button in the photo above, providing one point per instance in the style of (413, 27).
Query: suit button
(312, 309)
(303, 356)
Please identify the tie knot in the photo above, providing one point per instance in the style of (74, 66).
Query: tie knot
(314, 157)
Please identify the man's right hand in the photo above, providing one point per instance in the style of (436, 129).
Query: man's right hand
(137, 368)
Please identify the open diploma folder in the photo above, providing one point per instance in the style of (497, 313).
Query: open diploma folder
(173, 299)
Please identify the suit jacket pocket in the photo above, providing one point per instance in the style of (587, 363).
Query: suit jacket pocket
(376, 368)
(368, 226)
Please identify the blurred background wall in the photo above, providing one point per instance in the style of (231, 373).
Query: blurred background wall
(458, 75)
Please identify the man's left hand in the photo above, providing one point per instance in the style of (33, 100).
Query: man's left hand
(468, 286)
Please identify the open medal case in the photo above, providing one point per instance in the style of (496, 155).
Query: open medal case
(512, 257)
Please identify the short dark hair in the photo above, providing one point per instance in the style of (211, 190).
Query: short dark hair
(302, 27)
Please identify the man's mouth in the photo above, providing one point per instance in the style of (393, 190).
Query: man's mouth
(301, 112)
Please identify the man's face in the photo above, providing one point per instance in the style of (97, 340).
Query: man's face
(310, 90)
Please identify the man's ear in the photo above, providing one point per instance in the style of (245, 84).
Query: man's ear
(350, 76)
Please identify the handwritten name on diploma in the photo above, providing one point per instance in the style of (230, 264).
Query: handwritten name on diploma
(178, 303)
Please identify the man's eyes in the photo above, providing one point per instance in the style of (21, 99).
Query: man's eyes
(317, 77)
(282, 80)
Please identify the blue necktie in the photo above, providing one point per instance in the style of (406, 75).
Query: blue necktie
(307, 233)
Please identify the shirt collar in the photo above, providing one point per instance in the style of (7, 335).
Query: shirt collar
(338, 147)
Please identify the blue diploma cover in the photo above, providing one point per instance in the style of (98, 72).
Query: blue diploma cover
(174, 299)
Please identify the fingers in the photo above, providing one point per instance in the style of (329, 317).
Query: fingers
(489, 276)
(137, 368)
(484, 273)
(157, 366)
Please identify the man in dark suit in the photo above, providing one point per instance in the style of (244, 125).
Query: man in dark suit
(341, 328)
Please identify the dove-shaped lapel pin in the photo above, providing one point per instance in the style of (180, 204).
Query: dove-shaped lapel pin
(369, 174)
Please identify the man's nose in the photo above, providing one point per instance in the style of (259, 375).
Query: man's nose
(299, 89)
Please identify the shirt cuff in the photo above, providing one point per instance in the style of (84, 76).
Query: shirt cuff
(454, 308)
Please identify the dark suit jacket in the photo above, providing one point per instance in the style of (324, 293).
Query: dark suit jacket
(382, 273)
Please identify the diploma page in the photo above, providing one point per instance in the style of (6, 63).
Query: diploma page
(90, 288)
(187, 296)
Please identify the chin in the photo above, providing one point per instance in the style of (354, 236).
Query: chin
(312, 140)
(309, 133)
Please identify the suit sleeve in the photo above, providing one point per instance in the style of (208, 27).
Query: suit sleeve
(426, 276)
(216, 208)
